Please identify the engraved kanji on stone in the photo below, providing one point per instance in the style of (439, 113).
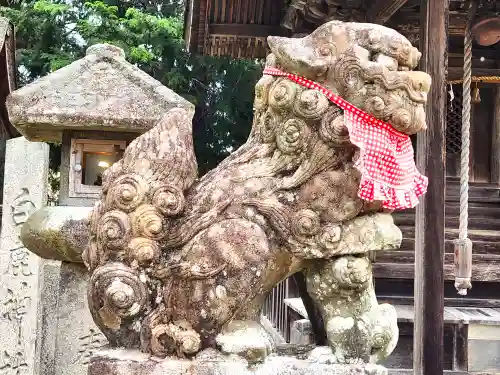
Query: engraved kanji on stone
(17, 304)
(22, 207)
(89, 344)
(19, 261)
(13, 363)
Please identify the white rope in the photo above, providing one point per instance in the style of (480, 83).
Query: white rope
(466, 109)
(464, 245)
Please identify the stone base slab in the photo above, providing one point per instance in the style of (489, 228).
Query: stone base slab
(212, 362)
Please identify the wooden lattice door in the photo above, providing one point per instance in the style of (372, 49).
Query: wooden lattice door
(454, 131)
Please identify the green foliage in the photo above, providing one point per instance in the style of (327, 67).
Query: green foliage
(53, 33)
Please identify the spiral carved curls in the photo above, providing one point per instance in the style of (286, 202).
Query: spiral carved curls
(293, 136)
(127, 192)
(306, 223)
(163, 339)
(143, 250)
(268, 124)
(311, 104)
(114, 230)
(148, 222)
(169, 200)
(282, 94)
(262, 91)
(333, 129)
(116, 292)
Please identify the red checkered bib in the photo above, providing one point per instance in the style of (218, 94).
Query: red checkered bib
(388, 171)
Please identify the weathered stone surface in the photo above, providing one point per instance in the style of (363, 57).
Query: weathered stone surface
(121, 362)
(210, 250)
(357, 326)
(101, 91)
(21, 272)
(247, 339)
(180, 264)
(78, 338)
(47, 332)
(57, 232)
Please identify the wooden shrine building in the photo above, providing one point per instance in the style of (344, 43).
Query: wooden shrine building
(449, 327)
(7, 85)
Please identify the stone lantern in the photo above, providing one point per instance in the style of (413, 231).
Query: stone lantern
(95, 107)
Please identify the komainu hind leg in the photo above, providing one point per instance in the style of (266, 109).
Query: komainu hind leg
(246, 338)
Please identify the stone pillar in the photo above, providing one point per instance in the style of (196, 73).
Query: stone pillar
(78, 337)
(21, 272)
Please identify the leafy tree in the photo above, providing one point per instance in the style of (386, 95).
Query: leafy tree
(53, 33)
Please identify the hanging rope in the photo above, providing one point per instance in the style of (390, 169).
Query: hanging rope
(466, 109)
(463, 246)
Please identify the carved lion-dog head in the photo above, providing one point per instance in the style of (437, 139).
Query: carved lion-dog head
(368, 65)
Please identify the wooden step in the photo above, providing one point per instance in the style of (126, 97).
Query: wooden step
(452, 234)
(474, 222)
(455, 315)
(406, 313)
(453, 209)
(478, 247)
(474, 188)
(475, 199)
(475, 209)
(401, 265)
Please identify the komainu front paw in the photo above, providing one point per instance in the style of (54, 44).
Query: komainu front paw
(385, 332)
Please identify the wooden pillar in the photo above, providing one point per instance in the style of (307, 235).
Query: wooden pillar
(495, 146)
(429, 239)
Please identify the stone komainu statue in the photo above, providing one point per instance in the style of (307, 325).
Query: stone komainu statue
(179, 264)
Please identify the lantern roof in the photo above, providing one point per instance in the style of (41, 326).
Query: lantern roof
(101, 91)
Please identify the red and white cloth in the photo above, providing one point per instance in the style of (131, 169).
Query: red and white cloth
(388, 171)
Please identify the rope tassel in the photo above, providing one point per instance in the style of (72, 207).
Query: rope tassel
(463, 265)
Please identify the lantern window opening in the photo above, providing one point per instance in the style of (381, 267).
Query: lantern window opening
(89, 159)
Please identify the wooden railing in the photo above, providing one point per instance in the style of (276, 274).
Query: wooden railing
(275, 310)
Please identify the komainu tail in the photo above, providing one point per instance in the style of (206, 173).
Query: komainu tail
(143, 194)
(142, 198)
(163, 155)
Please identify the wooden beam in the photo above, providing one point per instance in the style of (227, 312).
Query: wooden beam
(383, 10)
(495, 144)
(428, 352)
(245, 30)
(203, 16)
(409, 29)
(476, 54)
(458, 73)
